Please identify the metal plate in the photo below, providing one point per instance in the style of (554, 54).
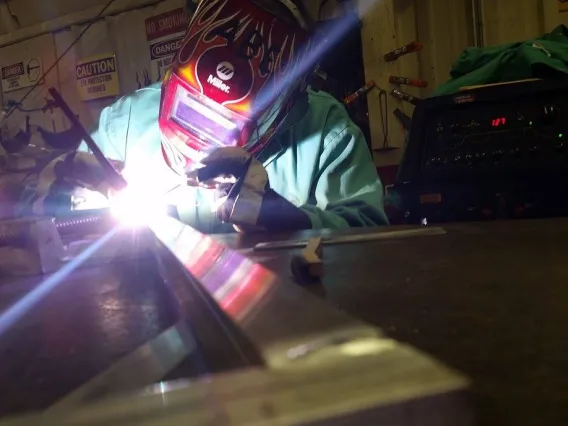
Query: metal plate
(319, 363)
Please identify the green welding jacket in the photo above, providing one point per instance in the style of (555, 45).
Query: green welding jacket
(541, 57)
(319, 161)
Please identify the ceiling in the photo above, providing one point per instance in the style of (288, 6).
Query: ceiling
(17, 14)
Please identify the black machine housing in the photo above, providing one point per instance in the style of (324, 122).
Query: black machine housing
(498, 151)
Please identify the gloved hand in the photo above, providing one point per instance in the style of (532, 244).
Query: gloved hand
(243, 193)
(72, 181)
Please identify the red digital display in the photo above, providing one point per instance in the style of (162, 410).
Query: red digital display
(497, 122)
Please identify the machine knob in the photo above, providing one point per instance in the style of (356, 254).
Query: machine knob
(549, 115)
(497, 154)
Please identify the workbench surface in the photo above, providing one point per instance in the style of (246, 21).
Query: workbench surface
(490, 299)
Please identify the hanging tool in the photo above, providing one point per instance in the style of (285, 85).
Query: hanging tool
(115, 178)
(405, 97)
(403, 119)
(349, 99)
(393, 55)
(394, 79)
(146, 81)
(384, 105)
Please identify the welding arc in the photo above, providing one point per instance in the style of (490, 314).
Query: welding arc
(39, 80)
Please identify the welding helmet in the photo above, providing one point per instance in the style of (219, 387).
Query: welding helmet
(238, 72)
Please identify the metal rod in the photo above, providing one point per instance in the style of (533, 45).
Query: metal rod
(114, 177)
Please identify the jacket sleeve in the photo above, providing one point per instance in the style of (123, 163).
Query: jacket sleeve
(347, 191)
(100, 132)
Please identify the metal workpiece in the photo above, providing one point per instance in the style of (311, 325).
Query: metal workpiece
(147, 364)
(278, 317)
(42, 245)
(287, 357)
(30, 246)
(15, 231)
(396, 388)
(319, 364)
(61, 330)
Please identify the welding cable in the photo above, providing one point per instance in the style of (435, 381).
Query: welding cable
(32, 88)
(16, 105)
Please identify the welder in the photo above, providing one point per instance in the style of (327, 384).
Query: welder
(235, 136)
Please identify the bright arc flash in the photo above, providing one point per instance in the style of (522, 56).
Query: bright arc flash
(140, 202)
(136, 208)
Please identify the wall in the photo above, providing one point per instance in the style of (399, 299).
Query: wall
(43, 49)
(121, 34)
(30, 12)
(552, 16)
(510, 21)
(445, 28)
(390, 24)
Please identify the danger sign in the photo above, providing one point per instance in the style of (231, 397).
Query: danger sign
(165, 32)
(21, 74)
(165, 48)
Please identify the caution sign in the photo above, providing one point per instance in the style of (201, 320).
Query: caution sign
(97, 77)
(562, 6)
(164, 33)
(21, 74)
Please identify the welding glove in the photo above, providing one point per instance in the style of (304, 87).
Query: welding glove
(72, 181)
(243, 194)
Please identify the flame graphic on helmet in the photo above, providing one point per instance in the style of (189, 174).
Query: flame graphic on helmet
(272, 59)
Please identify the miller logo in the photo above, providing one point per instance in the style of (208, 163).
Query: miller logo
(225, 71)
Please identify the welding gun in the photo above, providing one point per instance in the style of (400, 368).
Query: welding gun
(71, 178)
(114, 177)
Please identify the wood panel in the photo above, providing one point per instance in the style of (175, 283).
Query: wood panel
(552, 16)
(387, 24)
(445, 29)
(508, 21)
(43, 49)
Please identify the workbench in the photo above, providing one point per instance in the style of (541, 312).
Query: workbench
(487, 299)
